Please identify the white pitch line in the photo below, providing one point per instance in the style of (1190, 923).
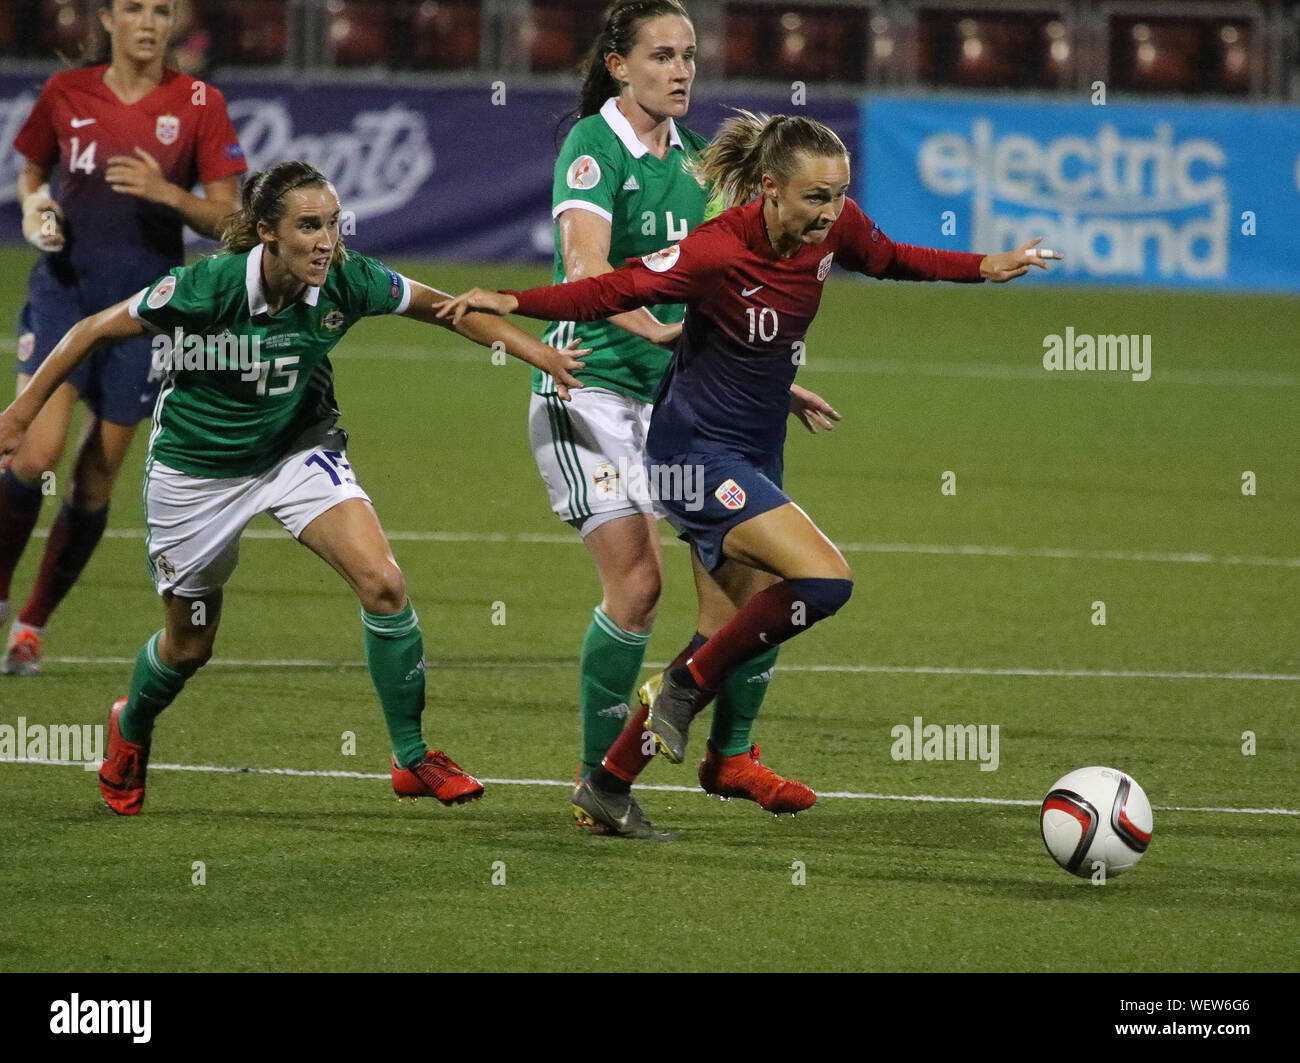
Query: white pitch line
(1050, 553)
(849, 669)
(213, 769)
(1031, 370)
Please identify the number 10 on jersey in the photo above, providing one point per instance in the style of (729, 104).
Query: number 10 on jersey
(764, 322)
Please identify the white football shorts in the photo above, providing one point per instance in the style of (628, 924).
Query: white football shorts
(194, 522)
(591, 454)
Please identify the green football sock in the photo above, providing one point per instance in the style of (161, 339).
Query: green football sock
(153, 687)
(609, 665)
(395, 657)
(738, 702)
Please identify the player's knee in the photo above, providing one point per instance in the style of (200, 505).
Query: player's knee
(91, 493)
(92, 480)
(192, 660)
(824, 597)
(30, 465)
(188, 653)
(639, 598)
(383, 590)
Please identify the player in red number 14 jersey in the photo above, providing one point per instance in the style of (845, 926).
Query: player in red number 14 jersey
(752, 281)
(110, 153)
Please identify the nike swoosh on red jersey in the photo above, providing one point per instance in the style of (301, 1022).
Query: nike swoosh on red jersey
(747, 292)
(77, 123)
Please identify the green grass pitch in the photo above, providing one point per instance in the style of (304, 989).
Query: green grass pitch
(1072, 488)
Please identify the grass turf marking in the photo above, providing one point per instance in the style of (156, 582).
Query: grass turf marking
(213, 769)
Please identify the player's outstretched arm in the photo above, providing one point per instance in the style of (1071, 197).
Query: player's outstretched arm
(115, 323)
(561, 364)
(584, 248)
(677, 274)
(1007, 265)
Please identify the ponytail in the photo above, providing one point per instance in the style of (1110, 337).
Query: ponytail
(751, 145)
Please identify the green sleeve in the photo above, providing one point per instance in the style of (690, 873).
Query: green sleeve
(589, 170)
(370, 288)
(182, 298)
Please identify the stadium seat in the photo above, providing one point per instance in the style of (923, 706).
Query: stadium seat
(556, 36)
(1156, 56)
(358, 31)
(886, 59)
(1235, 45)
(1059, 52)
(797, 43)
(742, 47)
(444, 36)
(251, 32)
(65, 28)
(8, 30)
(992, 49)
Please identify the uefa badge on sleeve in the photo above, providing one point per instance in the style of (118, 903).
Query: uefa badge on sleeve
(583, 174)
(730, 494)
(662, 261)
(161, 295)
(167, 129)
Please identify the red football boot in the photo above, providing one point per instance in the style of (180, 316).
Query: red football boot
(747, 777)
(121, 776)
(437, 775)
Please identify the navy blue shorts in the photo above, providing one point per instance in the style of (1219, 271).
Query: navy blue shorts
(735, 488)
(116, 381)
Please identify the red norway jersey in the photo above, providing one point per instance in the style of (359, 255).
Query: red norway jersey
(78, 123)
(748, 311)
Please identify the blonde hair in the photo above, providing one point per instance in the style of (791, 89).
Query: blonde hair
(750, 145)
(264, 201)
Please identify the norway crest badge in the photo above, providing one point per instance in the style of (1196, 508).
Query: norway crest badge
(167, 128)
(824, 266)
(730, 494)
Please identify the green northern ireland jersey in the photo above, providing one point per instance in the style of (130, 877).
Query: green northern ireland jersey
(240, 384)
(650, 203)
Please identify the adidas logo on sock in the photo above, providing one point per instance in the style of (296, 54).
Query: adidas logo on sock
(762, 677)
(630, 185)
(618, 711)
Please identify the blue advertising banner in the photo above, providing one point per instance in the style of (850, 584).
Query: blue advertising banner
(1192, 196)
(460, 173)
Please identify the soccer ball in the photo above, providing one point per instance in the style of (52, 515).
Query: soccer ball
(1096, 815)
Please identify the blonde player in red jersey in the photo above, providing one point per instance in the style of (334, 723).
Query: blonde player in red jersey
(110, 153)
(751, 279)
(623, 186)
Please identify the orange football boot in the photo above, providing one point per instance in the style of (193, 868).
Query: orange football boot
(121, 776)
(747, 777)
(437, 775)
